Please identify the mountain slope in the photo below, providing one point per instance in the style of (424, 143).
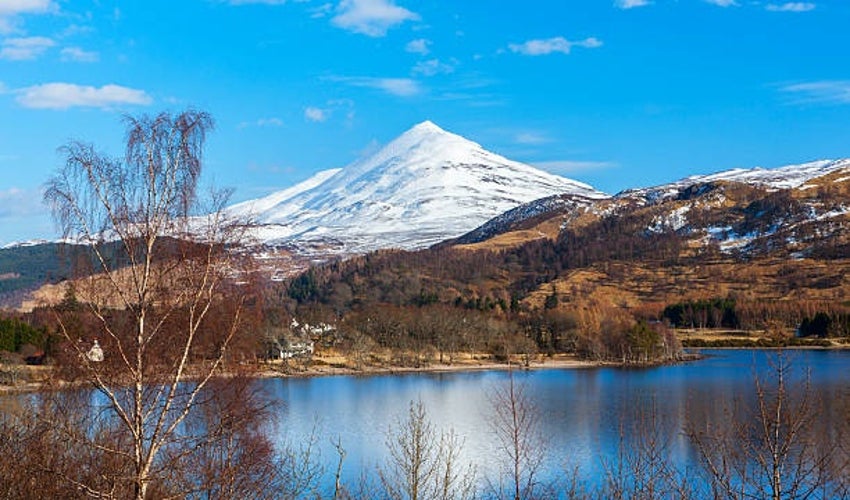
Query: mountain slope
(424, 187)
(787, 177)
(775, 242)
(791, 208)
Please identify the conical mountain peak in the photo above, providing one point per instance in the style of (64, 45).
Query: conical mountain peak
(425, 186)
(427, 126)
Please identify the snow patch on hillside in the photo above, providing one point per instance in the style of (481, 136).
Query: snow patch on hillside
(787, 177)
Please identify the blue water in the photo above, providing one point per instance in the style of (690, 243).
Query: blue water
(586, 415)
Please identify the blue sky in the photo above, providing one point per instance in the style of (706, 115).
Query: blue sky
(616, 93)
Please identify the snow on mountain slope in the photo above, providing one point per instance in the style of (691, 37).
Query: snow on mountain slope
(559, 205)
(738, 211)
(787, 177)
(253, 207)
(426, 186)
(783, 208)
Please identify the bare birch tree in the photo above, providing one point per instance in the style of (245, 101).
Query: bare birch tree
(772, 450)
(158, 299)
(521, 447)
(424, 465)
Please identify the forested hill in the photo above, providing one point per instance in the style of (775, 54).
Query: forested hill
(23, 268)
(762, 246)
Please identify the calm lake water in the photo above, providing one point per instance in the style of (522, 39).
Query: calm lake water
(586, 414)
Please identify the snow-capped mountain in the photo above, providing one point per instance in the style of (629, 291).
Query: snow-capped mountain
(424, 187)
(787, 177)
(796, 209)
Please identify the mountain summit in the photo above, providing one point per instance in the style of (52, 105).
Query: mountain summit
(424, 187)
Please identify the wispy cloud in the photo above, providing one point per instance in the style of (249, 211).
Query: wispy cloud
(262, 123)
(321, 11)
(270, 122)
(723, 3)
(552, 45)
(401, 87)
(17, 202)
(631, 4)
(69, 95)
(250, 2)
(820, 92)
(418, 46)
(791, 7)
(371, 17)
(531, 138)
(332, 108)
(314, 114)
(77, 54)
(433, 67)
(572, 167)
(26, 48)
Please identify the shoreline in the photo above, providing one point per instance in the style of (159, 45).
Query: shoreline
(265, 370)
(322, 370)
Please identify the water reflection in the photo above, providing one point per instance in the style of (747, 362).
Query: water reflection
(588, 415)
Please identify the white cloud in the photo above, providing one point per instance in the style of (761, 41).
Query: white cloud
(433, 67)
(11, 8)
(334, 108)
(15, 7)
(79, 55)
(250, 2)
(402, 87)
(25, 49)
(631, 4)
(371, 17)
(551, 45)
(571, 166)
(824, 92)
(75, 29)
(323, 10)
(419, 46)
(17, 202)
(315, 114)
(723, 3)
(270, 122)
(791, 7)
(69, 95)
(262, 122)
(531, 138)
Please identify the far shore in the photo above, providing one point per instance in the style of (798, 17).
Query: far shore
(322, 366)
(36, 378)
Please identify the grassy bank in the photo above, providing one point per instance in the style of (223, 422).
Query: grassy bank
(755, 339)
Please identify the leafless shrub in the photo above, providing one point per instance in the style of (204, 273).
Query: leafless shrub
(423, 466)
(520, 445)
(772, 450)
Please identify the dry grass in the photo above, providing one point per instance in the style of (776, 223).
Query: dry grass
(630, 285)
